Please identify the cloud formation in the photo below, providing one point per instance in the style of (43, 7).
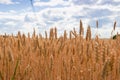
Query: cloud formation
(63, 14)
(7, 2)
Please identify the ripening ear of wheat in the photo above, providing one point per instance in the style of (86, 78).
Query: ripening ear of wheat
(114, 25)
(81, 32)
(88, 34)
(34, 33)
(46, 34)
(65, 35)
(112, 33)
(55, 33)
(97, 24)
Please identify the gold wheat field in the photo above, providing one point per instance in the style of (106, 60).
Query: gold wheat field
(59, 58)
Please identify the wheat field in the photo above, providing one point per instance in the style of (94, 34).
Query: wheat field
(59, 58)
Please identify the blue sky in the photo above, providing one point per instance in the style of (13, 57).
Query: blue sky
(18, 15)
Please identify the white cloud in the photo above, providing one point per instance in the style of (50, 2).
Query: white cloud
(116, 0)
(52, 3)
(6, 2)
(10, 23)
(11, 15)
(12, 11)
(99, 1)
